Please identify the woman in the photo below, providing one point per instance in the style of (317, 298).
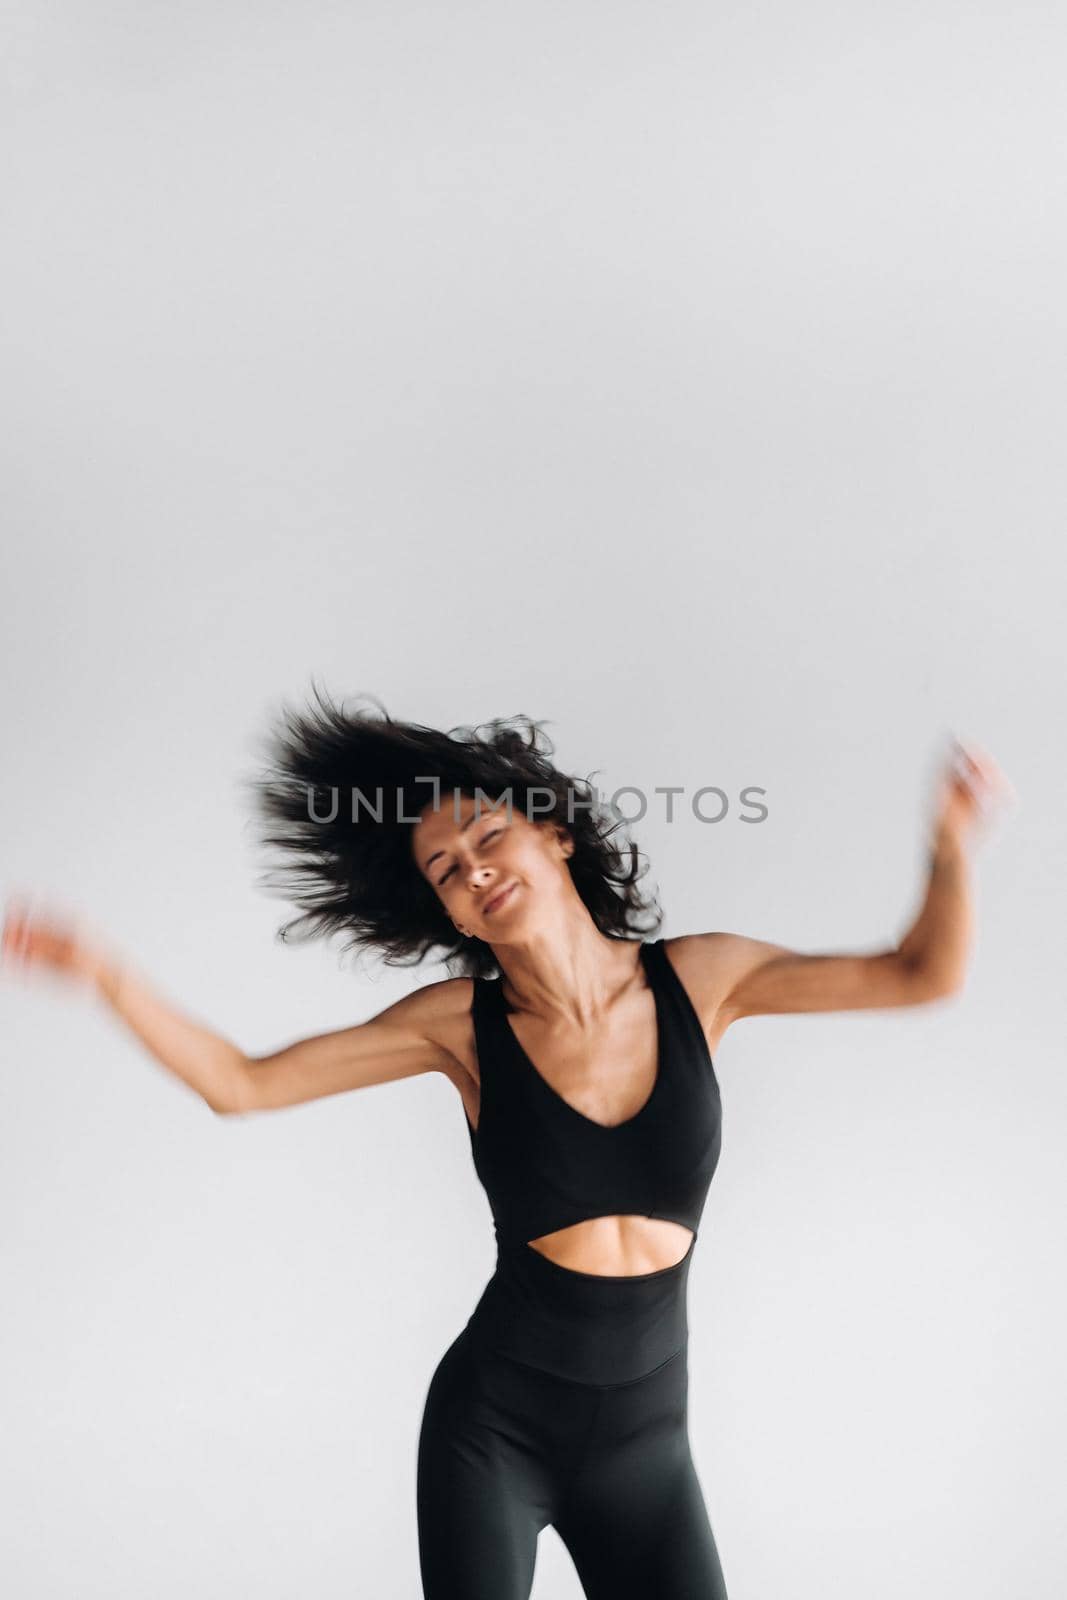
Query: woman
(582, 1055)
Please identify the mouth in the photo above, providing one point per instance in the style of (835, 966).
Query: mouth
(499, 899)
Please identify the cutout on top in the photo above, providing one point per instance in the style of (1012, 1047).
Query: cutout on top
(572, 1248)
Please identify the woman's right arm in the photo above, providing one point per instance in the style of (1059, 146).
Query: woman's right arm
(399, 1042)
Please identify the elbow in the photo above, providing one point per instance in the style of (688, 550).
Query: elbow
(930, 985)
(931, 975)
(231, 1097)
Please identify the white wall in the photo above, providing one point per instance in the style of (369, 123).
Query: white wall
(693, 378)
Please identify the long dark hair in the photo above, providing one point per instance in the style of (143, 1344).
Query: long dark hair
(358, 877)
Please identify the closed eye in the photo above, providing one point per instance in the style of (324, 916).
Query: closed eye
(489, 837)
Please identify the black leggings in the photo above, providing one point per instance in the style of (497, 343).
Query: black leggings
(507, 1448)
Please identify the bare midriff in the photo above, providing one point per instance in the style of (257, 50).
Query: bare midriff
(616, 1246)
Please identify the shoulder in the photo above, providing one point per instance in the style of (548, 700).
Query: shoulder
(444, 1012)
(701, 960)
(438, 1006)
(708, 965)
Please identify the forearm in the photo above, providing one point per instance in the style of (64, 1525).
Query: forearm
(939, 941)
(204, 1060)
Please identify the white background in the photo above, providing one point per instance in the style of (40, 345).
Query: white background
(692, 378)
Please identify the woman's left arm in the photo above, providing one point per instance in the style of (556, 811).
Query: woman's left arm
(929, 963)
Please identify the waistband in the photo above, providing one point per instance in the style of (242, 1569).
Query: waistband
(582, 1325)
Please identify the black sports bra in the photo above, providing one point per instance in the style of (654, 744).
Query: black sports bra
(545, 1165)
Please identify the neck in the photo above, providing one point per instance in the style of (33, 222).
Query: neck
(572, 973)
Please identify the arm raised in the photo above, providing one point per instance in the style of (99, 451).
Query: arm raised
(753, 978)
(762, 979)
(404, 1039)
(401, 1041)
(38, 941)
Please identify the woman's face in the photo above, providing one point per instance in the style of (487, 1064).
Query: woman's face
(472, 854)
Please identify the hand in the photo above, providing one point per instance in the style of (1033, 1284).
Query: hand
(52, 943)
(972, 788)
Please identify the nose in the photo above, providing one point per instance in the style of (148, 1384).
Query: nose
(480, 879)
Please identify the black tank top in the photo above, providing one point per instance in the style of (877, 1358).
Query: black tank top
(545, 1165)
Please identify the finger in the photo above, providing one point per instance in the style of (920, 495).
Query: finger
(19, 912)
(990, 786)
(981, 761)
(965, 758)
(980, 768)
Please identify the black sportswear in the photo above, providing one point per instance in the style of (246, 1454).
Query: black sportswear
(564, 1399)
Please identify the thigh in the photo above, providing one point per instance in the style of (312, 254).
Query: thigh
(635, 1522)
(480, 1490)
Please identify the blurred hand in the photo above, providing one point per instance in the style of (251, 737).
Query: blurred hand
(971, 791)
(49, 942)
